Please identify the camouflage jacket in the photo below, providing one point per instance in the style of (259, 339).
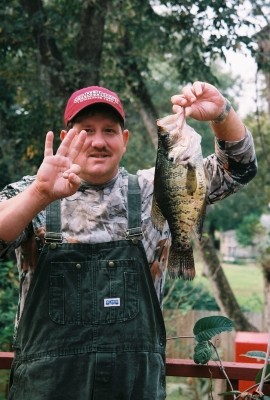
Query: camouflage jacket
(99, 214)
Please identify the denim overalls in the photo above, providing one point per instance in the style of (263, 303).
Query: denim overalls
(92, 327)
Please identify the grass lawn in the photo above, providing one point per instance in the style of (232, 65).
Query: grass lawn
(246, 281)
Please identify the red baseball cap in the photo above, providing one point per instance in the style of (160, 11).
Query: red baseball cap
(92, 95)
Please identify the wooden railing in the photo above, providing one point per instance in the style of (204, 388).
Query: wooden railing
(5, 360)
(236, 371)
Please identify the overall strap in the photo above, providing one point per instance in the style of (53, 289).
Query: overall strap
(53, 223)
(134, 231)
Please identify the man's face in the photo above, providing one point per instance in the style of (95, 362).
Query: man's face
(103, 149)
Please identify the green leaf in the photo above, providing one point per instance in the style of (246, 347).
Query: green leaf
(259, 374)
(202, 353)
(206, 328)
(256, 354)
(235, 392)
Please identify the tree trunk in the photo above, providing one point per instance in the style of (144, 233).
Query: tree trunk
(220, 286)
(89, 45)
(138, 88)
(90, 41)
(144, 104)
(49, 54)
(262, 58)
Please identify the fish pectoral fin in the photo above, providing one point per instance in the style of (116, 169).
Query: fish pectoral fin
(157, 216)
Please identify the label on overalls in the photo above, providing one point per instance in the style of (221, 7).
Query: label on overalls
(112, 302)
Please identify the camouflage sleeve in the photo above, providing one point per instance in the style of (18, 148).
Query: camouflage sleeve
(232, 166)
(8, 192)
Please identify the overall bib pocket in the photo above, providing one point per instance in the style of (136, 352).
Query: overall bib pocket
(100, 292)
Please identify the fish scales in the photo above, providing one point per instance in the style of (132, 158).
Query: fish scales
(179, 191)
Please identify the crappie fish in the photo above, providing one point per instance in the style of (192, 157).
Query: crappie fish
(179, 190)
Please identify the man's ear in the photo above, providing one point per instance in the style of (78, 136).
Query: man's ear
(63, 134)
(126, 136)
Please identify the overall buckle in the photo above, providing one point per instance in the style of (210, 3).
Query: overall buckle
(53, 237)
(134, 234)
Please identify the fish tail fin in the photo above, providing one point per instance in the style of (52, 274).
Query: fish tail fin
(181, 263)
(156, 215)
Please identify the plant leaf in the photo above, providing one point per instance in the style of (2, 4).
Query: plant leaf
(202, 353)
(205, 328)
(255, 354)
(259, 374)
(236, 392)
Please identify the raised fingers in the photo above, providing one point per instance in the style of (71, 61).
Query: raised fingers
(71, 144)
(77, 145)
(64, 148)
(48, 149)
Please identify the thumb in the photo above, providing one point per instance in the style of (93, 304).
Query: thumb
(177, 109)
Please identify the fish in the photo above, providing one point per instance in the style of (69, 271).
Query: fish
(179, 195)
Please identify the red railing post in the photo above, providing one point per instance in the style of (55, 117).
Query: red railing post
(6, 359)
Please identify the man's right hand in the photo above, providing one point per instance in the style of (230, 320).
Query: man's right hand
(58, 175)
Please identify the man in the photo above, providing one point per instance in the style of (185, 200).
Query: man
(92, 265)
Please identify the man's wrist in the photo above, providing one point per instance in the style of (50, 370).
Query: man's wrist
(223, 115)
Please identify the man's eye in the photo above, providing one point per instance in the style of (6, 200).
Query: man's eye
(110, 131)
(89, 131)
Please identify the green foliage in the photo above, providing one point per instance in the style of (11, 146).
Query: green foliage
(241, 210)
(204, 329)
(259, 124)
(187, 296)
(8, 302)
(249, 226)
(202, 352)
(140, 152)
(207, 327)
(259, 374)
(255, 354)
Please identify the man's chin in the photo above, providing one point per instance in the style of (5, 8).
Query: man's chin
(96, 177)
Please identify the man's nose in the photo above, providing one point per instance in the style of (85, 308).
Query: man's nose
(98, 139)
